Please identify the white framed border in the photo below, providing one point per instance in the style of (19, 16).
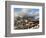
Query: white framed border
(27, 30)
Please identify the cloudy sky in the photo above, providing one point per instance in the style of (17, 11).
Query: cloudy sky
(24, 11)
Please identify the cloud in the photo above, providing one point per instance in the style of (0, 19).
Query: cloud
(27, 11)
(24, 10)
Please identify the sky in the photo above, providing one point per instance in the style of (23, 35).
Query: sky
(28, 11)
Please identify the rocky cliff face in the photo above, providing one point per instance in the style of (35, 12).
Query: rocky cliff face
(26, 22)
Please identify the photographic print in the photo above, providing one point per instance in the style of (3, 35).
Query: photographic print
(24, 18)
